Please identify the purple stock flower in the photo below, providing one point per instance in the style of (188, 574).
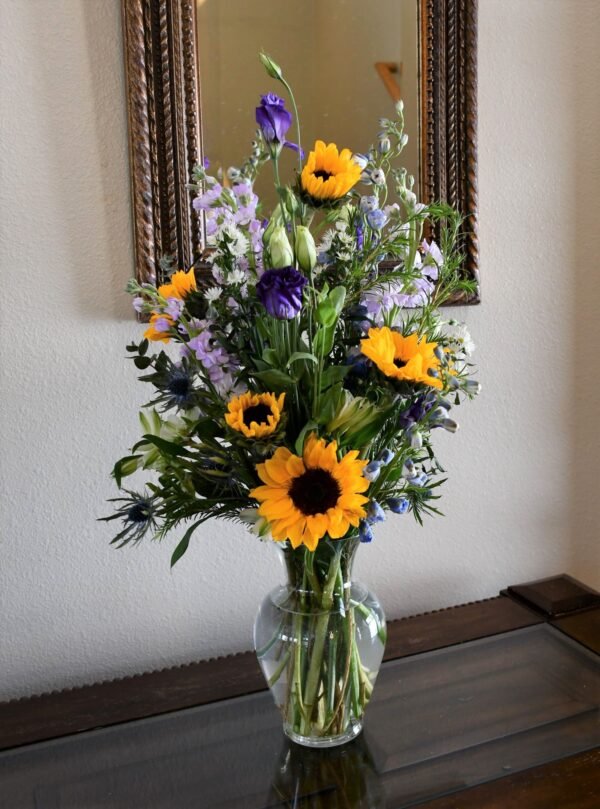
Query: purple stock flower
(360, 237)
(280, 292)
(174, 308)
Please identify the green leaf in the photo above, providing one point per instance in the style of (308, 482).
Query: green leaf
(326, 314)
(301, 355)
(276, 379)
(142, 362)
(337, 296)
(324, 340)
(143, 347)
(269, 355)
(308, 427)
(207, 428)
(183, 545)
(166, 447)
(333, 374)
(124, 467)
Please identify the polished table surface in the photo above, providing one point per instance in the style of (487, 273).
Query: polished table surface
(439, 722)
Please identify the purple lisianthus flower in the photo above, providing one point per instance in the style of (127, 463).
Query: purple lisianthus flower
(274, 121)
(273, 118)
(280, 292)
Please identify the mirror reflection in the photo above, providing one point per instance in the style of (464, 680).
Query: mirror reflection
(348, 62)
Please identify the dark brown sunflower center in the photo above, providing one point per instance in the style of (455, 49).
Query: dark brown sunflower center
(399, 363)
(324, 175)
(314, 492)
(258, 413)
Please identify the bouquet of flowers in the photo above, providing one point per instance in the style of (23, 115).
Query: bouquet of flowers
(313, 368)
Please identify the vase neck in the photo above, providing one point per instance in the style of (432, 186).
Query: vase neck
(323, 573)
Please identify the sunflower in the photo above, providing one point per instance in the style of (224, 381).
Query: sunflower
(255, 414)
(404, 358)
(152, 333)
(329, 174)
(180, 284)
(305, 498)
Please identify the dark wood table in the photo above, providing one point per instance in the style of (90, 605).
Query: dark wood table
(488, 705)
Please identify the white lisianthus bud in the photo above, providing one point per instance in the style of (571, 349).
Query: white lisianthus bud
(306, 251)
(280, 249)
(275, 220)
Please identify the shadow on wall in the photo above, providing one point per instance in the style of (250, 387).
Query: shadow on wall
(584, 418)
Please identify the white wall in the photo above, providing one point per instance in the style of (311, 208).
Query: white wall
(522, 498)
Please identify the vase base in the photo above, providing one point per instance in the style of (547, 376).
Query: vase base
(352, 732)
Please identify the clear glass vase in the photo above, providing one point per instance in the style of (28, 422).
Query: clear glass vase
(319, 640)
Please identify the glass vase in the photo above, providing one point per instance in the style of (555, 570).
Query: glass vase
(319, 640)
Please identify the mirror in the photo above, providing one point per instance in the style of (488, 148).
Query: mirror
(192, 71)
(347, 61)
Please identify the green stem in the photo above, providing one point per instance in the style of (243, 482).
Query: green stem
(278, 671)
(314, 671)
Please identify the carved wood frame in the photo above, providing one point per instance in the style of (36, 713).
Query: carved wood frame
(165, 131)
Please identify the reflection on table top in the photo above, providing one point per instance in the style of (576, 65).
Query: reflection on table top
(438, 723)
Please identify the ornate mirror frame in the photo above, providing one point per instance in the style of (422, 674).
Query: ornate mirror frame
(165, 124)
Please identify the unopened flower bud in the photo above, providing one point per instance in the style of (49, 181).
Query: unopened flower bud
(386, 457)
(372, 470)
(280, 249)
(306, 251)
(375, 513)
(416, 439)
(473, 387)
(364, 531)
(384, 145)
(272, 68)
(361, 159)
(449, 424)
(399, 505)
(440, 354)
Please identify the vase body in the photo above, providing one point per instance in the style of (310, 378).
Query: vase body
(319, 640)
